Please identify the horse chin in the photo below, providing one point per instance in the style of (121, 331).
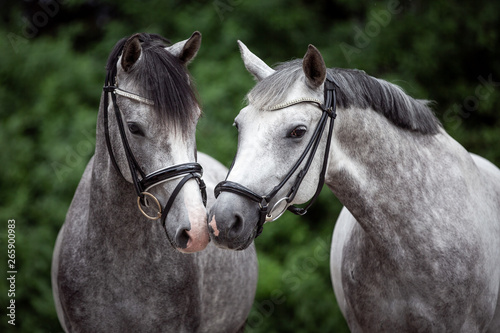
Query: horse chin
(232, 246)
(235, 245)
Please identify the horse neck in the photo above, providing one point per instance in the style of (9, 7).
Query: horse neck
(388, 176)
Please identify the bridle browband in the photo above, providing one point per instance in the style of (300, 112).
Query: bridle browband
(186, 171)
(265, 213)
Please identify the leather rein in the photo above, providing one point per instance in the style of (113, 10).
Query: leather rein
(143, 182)
(265, 212)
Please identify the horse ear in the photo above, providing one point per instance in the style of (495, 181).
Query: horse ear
(314, 67)
(187, 49)
(258, 68)
(131, 52)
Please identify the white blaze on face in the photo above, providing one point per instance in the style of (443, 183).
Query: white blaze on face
(198, 234)
(190, 195)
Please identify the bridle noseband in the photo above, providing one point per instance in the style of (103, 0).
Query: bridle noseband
(265, 212)
(186, 171)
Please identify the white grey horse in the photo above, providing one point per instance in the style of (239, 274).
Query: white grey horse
(115, 270)
(417, 246)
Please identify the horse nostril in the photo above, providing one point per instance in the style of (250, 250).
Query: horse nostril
(182, 238)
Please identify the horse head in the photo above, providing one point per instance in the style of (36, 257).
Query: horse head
(151, 112)
(279, 132)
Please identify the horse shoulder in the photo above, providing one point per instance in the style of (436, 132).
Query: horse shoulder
(341, 233)
(54, 277)
(489, 171)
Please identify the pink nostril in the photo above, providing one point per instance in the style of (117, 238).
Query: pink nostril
(195, 241)
(195, 238)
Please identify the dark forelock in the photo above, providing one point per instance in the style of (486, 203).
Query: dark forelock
(163, 78)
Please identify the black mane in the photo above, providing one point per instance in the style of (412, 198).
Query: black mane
(356, 89)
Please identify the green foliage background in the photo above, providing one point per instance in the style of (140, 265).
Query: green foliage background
(52, 68)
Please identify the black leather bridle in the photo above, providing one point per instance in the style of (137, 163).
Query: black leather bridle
(186, 170)
(329, 112)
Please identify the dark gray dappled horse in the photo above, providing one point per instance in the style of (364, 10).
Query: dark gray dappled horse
(417, 246)
(116, 270)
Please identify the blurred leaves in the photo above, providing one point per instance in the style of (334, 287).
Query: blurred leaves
(51, 75)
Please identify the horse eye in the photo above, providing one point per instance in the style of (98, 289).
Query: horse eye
(298, 132)
(135, 129)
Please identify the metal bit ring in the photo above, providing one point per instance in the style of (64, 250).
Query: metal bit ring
(142, 210)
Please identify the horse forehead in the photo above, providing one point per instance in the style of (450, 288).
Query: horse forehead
(299, 88)
(169, 149)
(251, 115)
(135, 111)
